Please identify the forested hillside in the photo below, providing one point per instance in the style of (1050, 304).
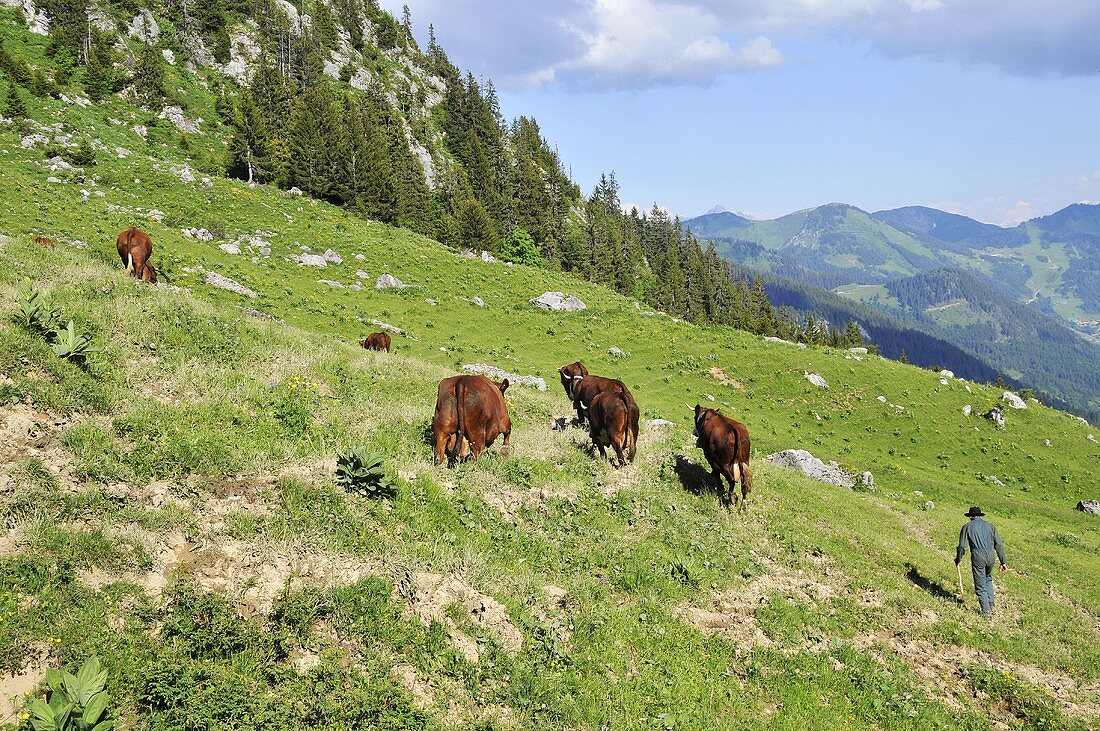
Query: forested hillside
(337, 100)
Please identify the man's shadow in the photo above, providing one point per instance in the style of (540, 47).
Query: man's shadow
(932, 587)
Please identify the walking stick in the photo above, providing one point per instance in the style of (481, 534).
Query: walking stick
(958, 569)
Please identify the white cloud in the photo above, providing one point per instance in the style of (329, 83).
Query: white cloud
(638, 43)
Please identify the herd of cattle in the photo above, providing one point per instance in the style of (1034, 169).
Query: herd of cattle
(470, 411)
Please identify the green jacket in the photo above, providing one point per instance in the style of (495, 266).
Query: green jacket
(980, 536)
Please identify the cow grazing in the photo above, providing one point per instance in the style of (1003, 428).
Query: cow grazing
(725, 444)
(135, 248)
(581, 387)
(376, 341)
(470, 414)
(613, 422)
(44, 241)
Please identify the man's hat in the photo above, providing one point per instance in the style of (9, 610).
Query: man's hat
(975, 512)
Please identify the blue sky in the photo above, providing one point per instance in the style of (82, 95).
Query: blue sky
(988, 108)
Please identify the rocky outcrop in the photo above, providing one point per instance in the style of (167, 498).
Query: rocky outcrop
(815, 379)
(388, 281)
(996, 416)
(217, 280)
(144, 27)
(1089, 506)
(1013, 400)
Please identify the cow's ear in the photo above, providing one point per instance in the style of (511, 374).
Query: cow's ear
(584, 371)
(504, 385)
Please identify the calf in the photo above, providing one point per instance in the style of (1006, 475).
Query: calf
(725, 444)
(613, 421)
(376, 341)
(135, 248)
(470, 414)
(581, 387)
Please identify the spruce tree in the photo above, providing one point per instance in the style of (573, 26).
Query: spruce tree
(248, 148)
(14, 106)
(99, 76)
(475, 228)
(148, 81)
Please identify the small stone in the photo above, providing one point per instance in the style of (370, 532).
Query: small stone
(388, 281)
(929, 505)
(815, 379)
(478, 301)
(968, 410)
(1089, 506)
(615, 351)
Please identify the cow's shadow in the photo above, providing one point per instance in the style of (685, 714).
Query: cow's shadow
(695, 479)
(934, 588)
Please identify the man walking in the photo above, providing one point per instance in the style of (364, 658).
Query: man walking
(985, 546)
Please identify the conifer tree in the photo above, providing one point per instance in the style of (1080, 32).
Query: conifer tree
(99, 78)
(14, 106)
(475, 228)
(148, 81)
(248, 146)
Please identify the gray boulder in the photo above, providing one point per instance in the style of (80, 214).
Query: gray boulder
(310, 260)
(658, 424)
(1089, 506)
(1013, 400)
(815, 379)
(802, 461)
(616, 351)
(217, 280)
(558, 302)
(996, 416)
(499, 374)
(388, 281)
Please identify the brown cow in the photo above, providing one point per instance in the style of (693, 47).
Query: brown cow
(45, 241)
(376, 341)
(135, 248)
(725, 444)
(581, 387)
(613, 421)
(470, 414)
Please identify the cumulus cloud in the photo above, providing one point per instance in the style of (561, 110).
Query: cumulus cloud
(637, 43)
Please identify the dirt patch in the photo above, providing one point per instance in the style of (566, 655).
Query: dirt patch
(943, 668)
(732, 615)
(435, 592)
(720, 376)
(11, 543)
(310, 472)
(509, 503)
(251, 576)
(27, 433)
(14, 688)
(444, 694)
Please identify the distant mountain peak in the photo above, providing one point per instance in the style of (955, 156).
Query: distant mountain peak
(718, 209)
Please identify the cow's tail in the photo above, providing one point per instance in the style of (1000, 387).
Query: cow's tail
(746, 473)
(460, 409)
(129, 261)
(632, 416)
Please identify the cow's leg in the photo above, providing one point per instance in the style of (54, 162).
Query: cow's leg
(716, 473)
(731, 480)
(617, 445)
(442, 447)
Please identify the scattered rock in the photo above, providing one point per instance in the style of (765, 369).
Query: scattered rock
(310, 260)
(388, 281)
(1013, 400)
(815, 379)
(54, 180)
(140, 130)
(230, 249)
(867, 479)
(947, 374)
(781, 341)
(658, 424)
(431, 302)
(122, 153)
(802, 461)
(995, 480)
(362, 275)
(176, 116)
(996, 416)
(34, 140)
(558, 302)
(217, 280)
(185, 174)
(478, 301)
(198, 233)
(943, 381)
(1089, 506)
(1091, 438)
(882, 399)
(388, 328)
(929, 505)
(968, 410)
(615, 351)
(859, 351)
(295, 191)
(332, 257)
(499, 374)
(169, 56)
(330, 283)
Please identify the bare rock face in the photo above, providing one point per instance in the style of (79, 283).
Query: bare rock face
(802, 461)
(558, 302)
(180, 121)
(144, 27)
(38, 22)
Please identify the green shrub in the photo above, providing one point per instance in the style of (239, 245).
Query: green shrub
(77, 702)
(358, 470)
(71, 345)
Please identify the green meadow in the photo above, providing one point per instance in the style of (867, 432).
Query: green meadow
(171, 505)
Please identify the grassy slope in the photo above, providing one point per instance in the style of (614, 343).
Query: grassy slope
(194, 395)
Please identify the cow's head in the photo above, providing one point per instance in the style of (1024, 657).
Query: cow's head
(570, 375)
(700, 417)
(363, 342)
